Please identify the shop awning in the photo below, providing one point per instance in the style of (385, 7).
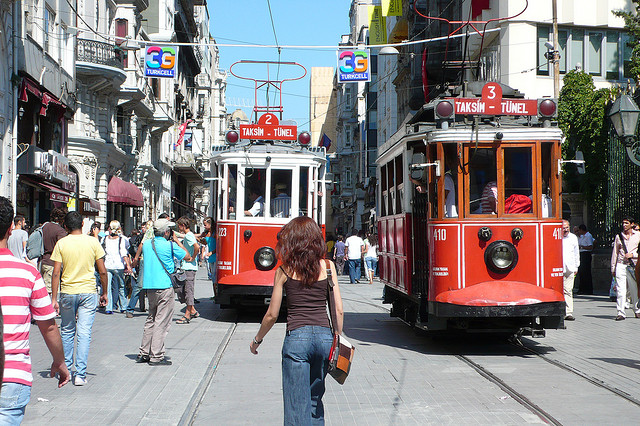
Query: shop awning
(123, 192)
(88, 206)
(55, 193)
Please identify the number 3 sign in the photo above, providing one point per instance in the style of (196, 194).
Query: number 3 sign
(492, 98)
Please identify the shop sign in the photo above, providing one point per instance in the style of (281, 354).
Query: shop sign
(59, 167)
(56, 196)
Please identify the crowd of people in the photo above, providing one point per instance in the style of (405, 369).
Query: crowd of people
(61, 271)
(349, 255)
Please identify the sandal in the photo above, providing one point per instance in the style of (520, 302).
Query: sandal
(183, 320)
(196, 315)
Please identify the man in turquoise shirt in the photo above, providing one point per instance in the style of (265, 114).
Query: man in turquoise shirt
(159, 254)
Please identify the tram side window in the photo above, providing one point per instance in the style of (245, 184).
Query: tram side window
(546, 200)
(518, 181)
(255, 181)
(450, 181)
(399, 180)
(304, 190)
(281, 193)
(483, 188)
(383, 191)
(390, 189)
(433, 183)
(232, 188)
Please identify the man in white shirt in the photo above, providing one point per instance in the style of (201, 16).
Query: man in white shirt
(623, 261)
(258, 204)
(18, 238)
(354, 249)
(571, 262)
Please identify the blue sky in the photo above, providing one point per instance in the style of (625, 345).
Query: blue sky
(297, 22)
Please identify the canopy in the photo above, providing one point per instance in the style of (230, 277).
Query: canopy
(123, 192)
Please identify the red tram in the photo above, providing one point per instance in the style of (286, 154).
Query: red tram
(470, 217)
(289, 180)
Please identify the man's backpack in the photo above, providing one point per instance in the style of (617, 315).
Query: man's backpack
(35, 243)
(133, 245)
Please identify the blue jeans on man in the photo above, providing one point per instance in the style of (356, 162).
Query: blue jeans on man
(83, 307)
(355, 270)
(117, 298)
(305, 352)
(14, 398)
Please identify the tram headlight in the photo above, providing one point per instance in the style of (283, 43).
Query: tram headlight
(265, 259)
(501, 256)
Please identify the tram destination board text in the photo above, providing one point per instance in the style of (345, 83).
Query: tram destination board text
(268, 132)
(475, 106)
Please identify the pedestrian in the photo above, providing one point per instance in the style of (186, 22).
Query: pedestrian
(208, 240)
(18, 238)
(75, 258)
(20, 277)
(190, 268)
(371, 256)
(338, 254)
(585, 243)
(117, 263)
(353, 256)
(51, 233)
(159, 253)
(136, 275)
(305, 351)
(623, 261)
(571, 262)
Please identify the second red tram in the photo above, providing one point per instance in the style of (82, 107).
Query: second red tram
(258, 187)
(470, 219)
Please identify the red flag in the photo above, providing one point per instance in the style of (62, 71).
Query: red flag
(183, 128)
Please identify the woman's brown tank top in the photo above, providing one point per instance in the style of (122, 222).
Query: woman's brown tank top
(306, 305)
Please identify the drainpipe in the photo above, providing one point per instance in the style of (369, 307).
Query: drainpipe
(13, 177)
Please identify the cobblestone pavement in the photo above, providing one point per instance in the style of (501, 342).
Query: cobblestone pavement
(399, 377)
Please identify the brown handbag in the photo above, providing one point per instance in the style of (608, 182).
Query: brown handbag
(341, 354)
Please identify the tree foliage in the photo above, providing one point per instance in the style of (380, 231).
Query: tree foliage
(582, 118)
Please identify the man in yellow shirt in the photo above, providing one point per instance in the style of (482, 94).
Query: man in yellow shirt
(80, 254)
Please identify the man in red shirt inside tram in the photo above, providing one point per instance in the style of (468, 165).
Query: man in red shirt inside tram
(23, 295)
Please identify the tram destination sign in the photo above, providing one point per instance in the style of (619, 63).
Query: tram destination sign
(268, 128)
(476, 106)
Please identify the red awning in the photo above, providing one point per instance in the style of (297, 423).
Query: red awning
(56, 194)
(123, 192)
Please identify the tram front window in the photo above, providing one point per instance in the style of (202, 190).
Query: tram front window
(518, 181)
(483, 188)
(232, 187)
(255, 181)
(280, 205)
(304, 190)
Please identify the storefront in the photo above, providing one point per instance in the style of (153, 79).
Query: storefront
(124, 200)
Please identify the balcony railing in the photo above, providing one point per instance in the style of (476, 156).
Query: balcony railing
(97, 52)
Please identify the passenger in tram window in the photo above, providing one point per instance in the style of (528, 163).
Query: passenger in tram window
(281, 203)
(450, 208)
(483, 188)
(257, 209)
(489, 201)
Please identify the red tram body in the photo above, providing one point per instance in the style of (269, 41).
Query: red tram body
(462, 260)
(245, 244)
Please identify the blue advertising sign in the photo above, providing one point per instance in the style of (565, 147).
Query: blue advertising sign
(353, 65)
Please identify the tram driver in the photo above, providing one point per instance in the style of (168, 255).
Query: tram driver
(257, 209)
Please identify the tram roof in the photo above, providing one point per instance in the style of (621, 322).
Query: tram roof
(279, 150)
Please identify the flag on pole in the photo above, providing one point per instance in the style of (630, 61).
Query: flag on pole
(182, 129)
(326, 142)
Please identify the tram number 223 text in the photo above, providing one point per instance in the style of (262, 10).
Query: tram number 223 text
(222, 232)
(439, 234)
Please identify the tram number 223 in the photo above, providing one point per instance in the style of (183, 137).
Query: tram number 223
(439, 234)
(222, 232)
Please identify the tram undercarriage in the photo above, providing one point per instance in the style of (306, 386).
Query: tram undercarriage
(527, 320)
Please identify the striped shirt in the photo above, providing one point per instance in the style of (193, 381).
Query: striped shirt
(488, 205)
(23, 295)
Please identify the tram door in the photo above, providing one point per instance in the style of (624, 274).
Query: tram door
(420, 215)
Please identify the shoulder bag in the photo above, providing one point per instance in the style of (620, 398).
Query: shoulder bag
(178, 278)
(341, 354)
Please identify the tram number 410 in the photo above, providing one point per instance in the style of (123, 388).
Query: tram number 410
(440, 234)
(557, 233)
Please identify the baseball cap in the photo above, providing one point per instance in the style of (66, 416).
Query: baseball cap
(162, 225)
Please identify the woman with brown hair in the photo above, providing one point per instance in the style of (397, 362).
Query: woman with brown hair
(305, 351)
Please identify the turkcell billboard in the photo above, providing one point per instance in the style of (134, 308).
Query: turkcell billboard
(353, 65)
(160, 61)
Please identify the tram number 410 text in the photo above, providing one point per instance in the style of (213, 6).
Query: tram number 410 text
(557, 233)
(439, 234)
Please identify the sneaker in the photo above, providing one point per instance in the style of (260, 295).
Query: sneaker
(569, 318)
(129, 314)
(620, 318)
(163, 361)
(140, 359)
(79, 381)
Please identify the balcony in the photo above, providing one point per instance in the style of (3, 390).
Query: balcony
(100, 64)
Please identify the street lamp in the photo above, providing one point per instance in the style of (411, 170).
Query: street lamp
(624, 114)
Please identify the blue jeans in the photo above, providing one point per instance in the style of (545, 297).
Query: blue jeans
(84, 307)
(13, 401)
(372, 264)
(136, 287)
(354, 269)
(305, 358)
(117, 299)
